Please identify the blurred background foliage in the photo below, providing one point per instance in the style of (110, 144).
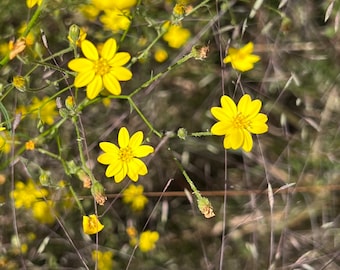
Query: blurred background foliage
(297, 80)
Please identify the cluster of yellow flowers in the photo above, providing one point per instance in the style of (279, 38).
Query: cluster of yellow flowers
(30, 196)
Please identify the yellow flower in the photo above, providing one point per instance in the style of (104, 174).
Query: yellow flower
(176, 36)
(102, 69)
(116, 19)
(5, 141)
(147, 240)
(238, 122)
(44, 109)
(109, 4)
(134, 195)
(32, 3)
(103, 259)
(124, 160)
(25, 195)
(42, 211)
(91, 224)
(19, 82)
(160, 55)
(16, 47)
(29, 145)
(242, 59)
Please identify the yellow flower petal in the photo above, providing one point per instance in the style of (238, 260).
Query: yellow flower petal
(143, 151)
(228, 105)
(114, 168)
(94, 87)
(121, 73)
(108, 147)
(248, 142)
(119, 59)
(121, 174)
(136, 139)
(220, 128)
(84, 78)
(89, 50)
(109, 49)
(80, 65)
(111, 84)
(123, 137)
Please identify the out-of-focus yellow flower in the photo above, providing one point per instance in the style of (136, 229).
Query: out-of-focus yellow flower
(19, 82)
(25, 195)
(176, 36)
(32, 3)
(133, 195)
(124, 160)
(91, 224)
(44, 109)
(42, 211)
(242, 59)
(160, 55)
(147, 240)
(29, 39)
(100, 69)
(237, 123)
(116, 19)
(132, 233)
(29, 145)
(5, 141)
(103, 259)
(109, 4)
(16, 47)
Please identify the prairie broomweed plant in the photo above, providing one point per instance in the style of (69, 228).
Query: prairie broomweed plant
(242, 59)
(124, 160)
(99, 70)
(91, 224)
(237, 123)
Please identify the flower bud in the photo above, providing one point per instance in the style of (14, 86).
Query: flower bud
(98, 193)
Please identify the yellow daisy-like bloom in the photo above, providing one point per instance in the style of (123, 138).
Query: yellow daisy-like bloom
(238, 122)
(32, 3)
(147, 240)
(124, 160)
(176, 36)
(109, 4)
(30, 145)
(160, 55)
(242, 59)
(103, 259)
(42, 211)
(102, 69)
(116, 19)
(91, 224)
(26, 195)
(134, 195)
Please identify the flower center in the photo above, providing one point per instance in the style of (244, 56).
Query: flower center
(126, 154)
(241, 121)
(102, 67)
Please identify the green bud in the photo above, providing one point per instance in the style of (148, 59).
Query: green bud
(73, 34)
(182, 133)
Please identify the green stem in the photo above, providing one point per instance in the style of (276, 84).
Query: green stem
(201, 134)
(146, 121)
(147, 83)
(80, 149)
(187, 178)
(82, 211)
